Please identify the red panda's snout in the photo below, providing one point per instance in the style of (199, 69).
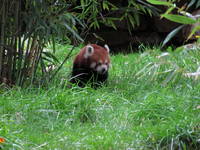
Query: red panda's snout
(100, 67)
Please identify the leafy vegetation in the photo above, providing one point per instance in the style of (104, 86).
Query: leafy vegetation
(181, 16)
(149, 103)
(103, 12)
(26, 28)
(151, 100)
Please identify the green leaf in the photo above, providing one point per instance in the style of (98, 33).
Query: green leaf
(156, 2)
(48, 60)
(82, 4)
(132, 20)
(113, 7)
(137, 19)
(53, 43)
(172, 34)
(94, 24)
(149, 12)
(191, 3)
(179, 19)
(194, 30)
(131, 2)
(111, 23)
(105, 5)
(198, 4)
(72, 31)
(169, 10)
(50, 55)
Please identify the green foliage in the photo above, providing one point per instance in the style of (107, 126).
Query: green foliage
(179, 19)
(172, 34)
(157, 2)
(26, 28)
(142, 107)
(195, 3)
(103, 12)
(183, 17)
(194, 30)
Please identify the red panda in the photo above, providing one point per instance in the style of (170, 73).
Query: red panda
(91, 65)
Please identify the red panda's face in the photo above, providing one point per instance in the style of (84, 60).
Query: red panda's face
(98, 58)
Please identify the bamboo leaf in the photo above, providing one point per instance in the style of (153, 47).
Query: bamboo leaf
(95, 24)
(172, 34)
(112, 5)
(198, 4)
(132, 21)
(105, 5)
(137, 19)
(191, 3)
(179, 19)
(194, 30)
(50, 55)
(169, 10)
(73, 32)
(156, 2)
(47, 59)
(82, 4)
(53, 43)
(110, 22)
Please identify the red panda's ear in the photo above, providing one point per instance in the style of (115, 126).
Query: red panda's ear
(107, 48)
(89, 51)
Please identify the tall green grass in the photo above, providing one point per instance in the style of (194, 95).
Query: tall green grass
(148, 103)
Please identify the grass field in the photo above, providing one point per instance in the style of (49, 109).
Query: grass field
(148, 103)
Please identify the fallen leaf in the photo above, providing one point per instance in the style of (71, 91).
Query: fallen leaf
(2, 140)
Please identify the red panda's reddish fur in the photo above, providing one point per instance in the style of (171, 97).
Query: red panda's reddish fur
(91, 65)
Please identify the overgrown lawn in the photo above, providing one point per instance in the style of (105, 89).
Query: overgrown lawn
(148, 103)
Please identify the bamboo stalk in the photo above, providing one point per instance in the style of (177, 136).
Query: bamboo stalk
(2, 37)
(37, 58)
(17, 42)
